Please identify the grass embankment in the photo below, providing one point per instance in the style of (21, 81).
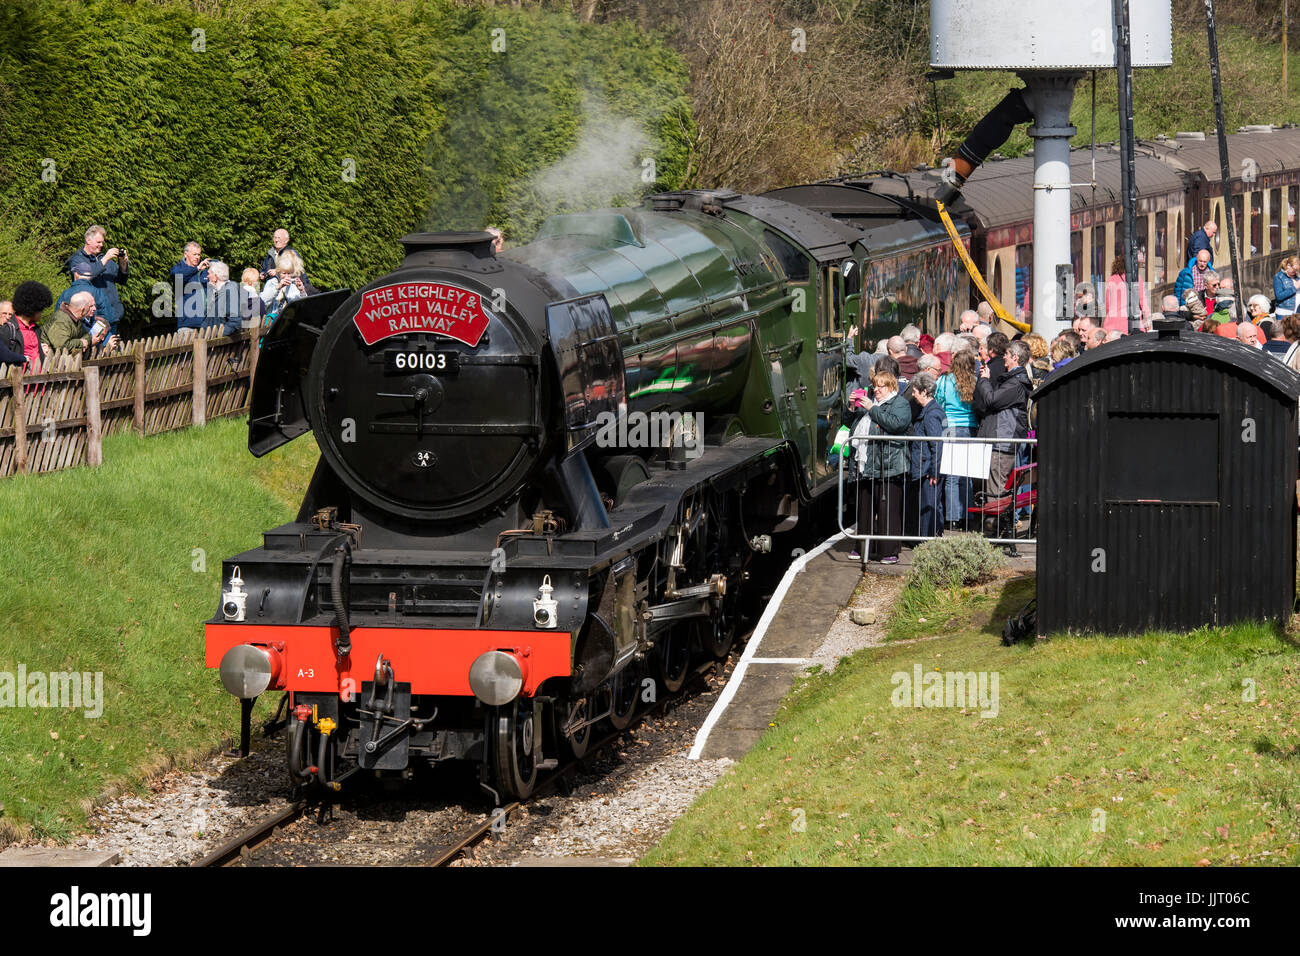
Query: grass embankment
(103, 575)
(1145, 750)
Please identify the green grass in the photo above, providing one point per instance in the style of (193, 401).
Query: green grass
(114, 570)
(1119, 751)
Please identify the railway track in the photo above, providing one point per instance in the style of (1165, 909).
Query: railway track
(245, 842)
(239, 849)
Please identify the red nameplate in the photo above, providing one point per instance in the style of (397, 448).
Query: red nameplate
(421, 307)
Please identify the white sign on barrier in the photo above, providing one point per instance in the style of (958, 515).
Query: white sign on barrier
(966, 459)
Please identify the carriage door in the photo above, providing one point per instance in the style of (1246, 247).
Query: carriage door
(831, 344)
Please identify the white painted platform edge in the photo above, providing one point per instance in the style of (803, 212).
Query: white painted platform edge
(751, 649)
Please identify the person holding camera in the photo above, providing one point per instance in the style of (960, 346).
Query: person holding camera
(104, 270)
(286, 284)
(190, 277)
(882, 465)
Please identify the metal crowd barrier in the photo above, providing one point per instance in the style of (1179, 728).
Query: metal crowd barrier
(898, 510)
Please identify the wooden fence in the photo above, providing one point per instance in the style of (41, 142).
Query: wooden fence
(58, 419)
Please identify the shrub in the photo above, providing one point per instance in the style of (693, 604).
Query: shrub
(23, 259)
(955, 560)
(349, 122)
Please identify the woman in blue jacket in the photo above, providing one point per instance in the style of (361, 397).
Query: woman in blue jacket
(1284, 286)
(954, 393)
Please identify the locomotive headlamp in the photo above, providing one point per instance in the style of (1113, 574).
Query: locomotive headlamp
(496, 678)
(544, 607)
(247, 670)
(234, 601)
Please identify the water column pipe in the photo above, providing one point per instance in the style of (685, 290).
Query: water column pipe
(1049, 96)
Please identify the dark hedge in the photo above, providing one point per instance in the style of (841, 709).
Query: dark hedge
(164, 135)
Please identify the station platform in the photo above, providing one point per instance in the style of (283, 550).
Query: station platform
(796, 632)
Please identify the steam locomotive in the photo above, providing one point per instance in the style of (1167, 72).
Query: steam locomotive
(495, 552)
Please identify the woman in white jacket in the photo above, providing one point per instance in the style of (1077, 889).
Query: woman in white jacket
(287, 284)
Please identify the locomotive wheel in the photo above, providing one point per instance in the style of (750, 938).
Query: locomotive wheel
(516, 767)
(718, 633)
(624, 690)
(576, 743)
(673, 659)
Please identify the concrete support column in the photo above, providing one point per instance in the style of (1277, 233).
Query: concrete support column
(1049, 95)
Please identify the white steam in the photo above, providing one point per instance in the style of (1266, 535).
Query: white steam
(605, 167)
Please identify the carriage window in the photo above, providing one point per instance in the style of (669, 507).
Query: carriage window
(1178, 232)
(1158, 262)
(1024, 276)
(1274, 220)
(1292, 201)
(852, 277)
(1218, 222)
(830, 319)
(1076, 255)
(794, 262)
(1099, 263)
(1141, 265)
(1256, 223)
(997, 278)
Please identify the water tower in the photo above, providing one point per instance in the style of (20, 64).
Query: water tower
(1050, 45)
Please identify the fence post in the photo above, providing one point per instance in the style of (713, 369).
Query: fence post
(94, 435)
(253, 353)
(20, 421)
(138, 408)
(200, 403)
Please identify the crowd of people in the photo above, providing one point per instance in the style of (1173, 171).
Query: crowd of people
(976, 382)
(201, 294)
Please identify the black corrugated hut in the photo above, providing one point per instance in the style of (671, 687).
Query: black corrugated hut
(1167, 486)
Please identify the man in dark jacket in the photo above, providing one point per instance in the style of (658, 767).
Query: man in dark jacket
(81, 283)
(1004, 412)
(907, 366)
(104, 271)
(1201, 240)
(997, 349)
(222, 300)
(924, 470)
(11, 337)
(279, 244)
(911, 336)
(1172, 313)
(190, 280)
